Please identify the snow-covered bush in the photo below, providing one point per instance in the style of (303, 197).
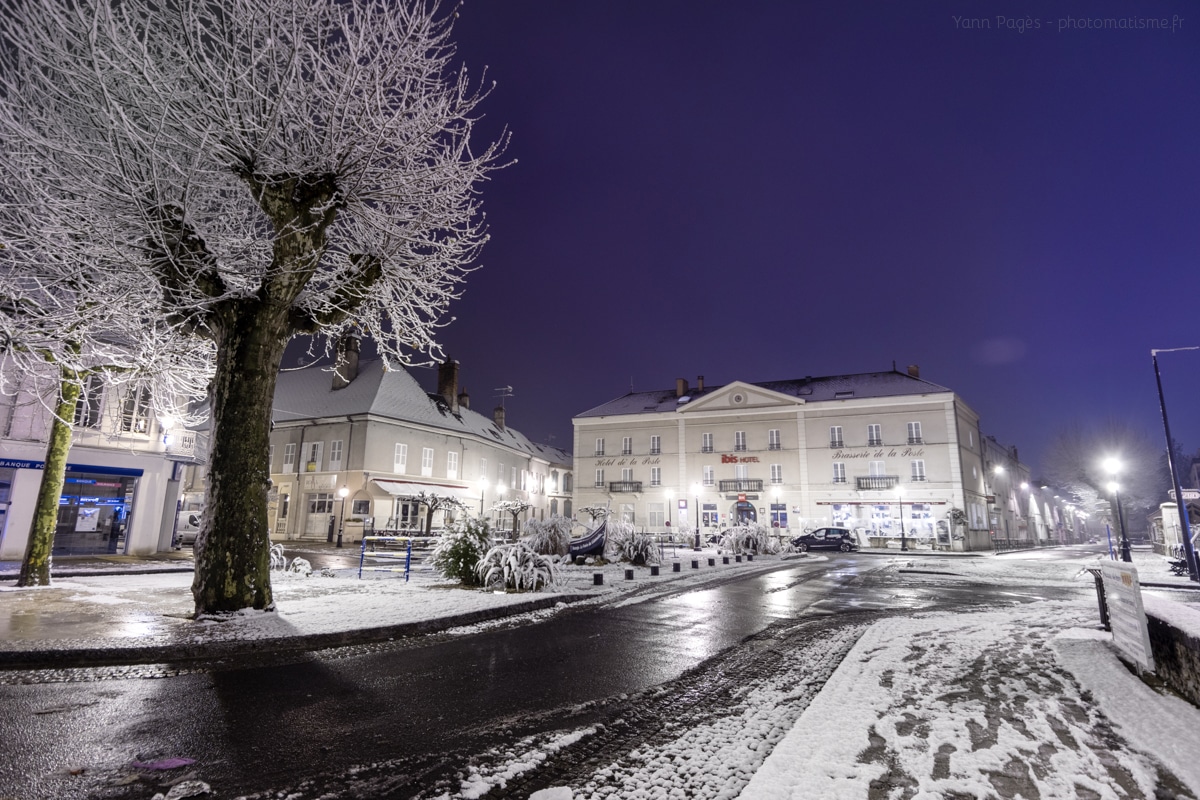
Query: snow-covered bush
(755, 539)
(624, 543)
(280, 563)
(459, 550)
(550, 538)
(517, 566)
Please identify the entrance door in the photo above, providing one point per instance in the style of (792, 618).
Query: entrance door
(744, 512)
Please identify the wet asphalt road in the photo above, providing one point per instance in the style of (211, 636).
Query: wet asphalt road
(251, 728)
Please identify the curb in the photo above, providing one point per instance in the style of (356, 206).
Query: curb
(102, 573)
(206, 651)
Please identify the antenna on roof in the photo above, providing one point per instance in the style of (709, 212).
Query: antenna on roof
(504, 391)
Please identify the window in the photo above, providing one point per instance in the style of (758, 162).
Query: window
(513, 477)
(739, 440)
(914, 433)
(524, 480)
(289, 457)
(270, 457)
(335, 455)
(835, 436)
(877, 469)
(312, 456)
(655, 445)
(400, 459)
(741, 472)
(627, 446)
(656, 514)
(87, 407)
(708, 476)
(482, 468)
(599, 447)
(554, 507)
(627, 513)
(706, 443)
(568, 487)
(360, 508)
(839, 472)
(500, 472)
(874, 436)
(426, 461)
(135, 413)
(656, 476)
(627, 473)
(285, 499)
(777, 473)
(452, 465)
(918, 469)
(773, 440)
(599, 479)
(321, 503)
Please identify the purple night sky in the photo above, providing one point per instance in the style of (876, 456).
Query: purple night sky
(770, 190)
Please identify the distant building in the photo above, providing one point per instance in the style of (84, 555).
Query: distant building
(379, 435)
(1014, 513)
(850, 450)
(123, 471)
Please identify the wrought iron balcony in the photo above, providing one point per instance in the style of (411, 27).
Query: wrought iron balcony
(654, 451)
(837, 443)
(706, 449)
(741, 485)
(876, 483)
(916, 440)
(774, 446)
(739, 448)
(624, 486)
(874, 442)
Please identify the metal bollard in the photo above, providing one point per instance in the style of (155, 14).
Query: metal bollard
(724, 559)
(628, 574)
(712, 562)
(654, 571)
(738, 559)
(750, 557)
(675, 567)
(597, 578)
(695, 563)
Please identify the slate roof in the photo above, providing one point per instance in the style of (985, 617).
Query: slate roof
(810, 390)
(392, 394)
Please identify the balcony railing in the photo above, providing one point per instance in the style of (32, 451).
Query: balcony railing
(739, 448)
(654, 451)
(876, 483)
(874, 442)
(918, 478)
(836, 443)
(774, 446)
(598, 453)
(624, 486)
(741, 485)
(706, 448)
(916, 440)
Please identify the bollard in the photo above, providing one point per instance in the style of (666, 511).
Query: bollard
(738, 559)
(724, 559)
(675, 567)
(628, 574)
(750, 557)
(712, 562)
(597, 578)
(654, 571)
(695, 563)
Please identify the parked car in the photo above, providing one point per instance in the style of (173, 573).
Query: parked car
(826, 539)
(187, 526)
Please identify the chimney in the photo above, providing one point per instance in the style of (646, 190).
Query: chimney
(345, 365)
(448, 383)
(680, 387)
(699, 383)
(498, 417)
(914, 371)
(464, 399)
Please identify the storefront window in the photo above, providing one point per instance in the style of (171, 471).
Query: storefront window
(93, 513)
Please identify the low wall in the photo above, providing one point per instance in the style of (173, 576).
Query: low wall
(1176, 657)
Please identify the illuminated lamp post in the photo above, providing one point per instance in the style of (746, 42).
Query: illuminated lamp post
(342, 493)
(1112, 466)
(1185, 528)
(900, 500)
(669, 494)
(696, 489)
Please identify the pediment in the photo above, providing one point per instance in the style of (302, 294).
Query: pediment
(739, 396)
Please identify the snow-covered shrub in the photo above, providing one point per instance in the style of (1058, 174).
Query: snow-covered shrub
(280, 563)
(459, 550)
(624, 543)
(517, 566)
(754, 539)
(300, 566)
(550, 538)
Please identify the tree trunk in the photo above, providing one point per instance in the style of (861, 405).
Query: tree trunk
(35, 568)
(233, 546)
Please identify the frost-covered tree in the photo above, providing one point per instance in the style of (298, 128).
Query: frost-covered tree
(514, 507)
(70, 327)
(268, 168)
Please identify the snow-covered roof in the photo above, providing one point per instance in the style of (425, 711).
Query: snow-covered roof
(393, 394)
(809, 389)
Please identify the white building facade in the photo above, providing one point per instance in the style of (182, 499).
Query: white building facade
(122, 483)
(887, 454)
(386, 442)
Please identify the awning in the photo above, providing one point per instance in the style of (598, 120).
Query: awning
(408, 489)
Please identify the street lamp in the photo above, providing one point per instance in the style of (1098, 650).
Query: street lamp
(669, 495)
(1113, 466)
(900, 500)
(696, 488)
(342, 493)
